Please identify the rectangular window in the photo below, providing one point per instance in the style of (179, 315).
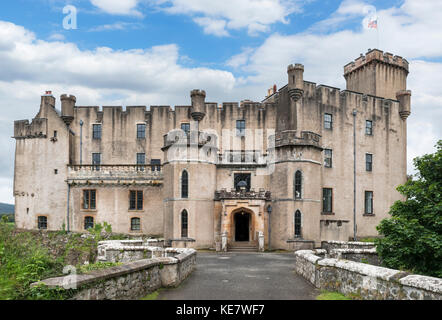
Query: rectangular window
(96, 131)
(88, 223)
(328, 155)
(327, 200)
(135, 224)
(156, 164)
(368, 127)
(141, 161)
(89, 199)
(42, 222)
(328, 121)
(96, 160)
(368, 162)
(135, 200)
(141, 131)
(186, 128)
(240, 128)
(242, 179)
(368, 202)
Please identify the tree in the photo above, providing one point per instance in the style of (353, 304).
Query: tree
(412, 237)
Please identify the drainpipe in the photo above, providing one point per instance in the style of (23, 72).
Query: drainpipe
(354, 174)
(81, 142)
(269, 211)
(69, 192)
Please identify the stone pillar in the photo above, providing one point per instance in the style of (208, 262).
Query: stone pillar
(224, 241)
(261, 241)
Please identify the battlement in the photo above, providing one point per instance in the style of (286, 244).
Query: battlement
(197, 92)
(68, 97)
(376, 55)
(38, 128)
(296, 66)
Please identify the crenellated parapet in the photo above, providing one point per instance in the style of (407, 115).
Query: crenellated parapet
(375, 55)
(38, 128)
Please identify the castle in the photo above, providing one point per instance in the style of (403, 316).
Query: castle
(308, 163)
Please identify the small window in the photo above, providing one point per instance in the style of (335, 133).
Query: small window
(297, 224)
(156, 164)
(135, 200)
(55, 171)
(184, 224)
(298, 185)
(238, 177)
(240, 128)
(368, 202)
(184, 184)
(368, 127)
(368, 162)
(42, 223)
(328, 121)
(96, 131)
(89, 199)
(141, 131)
(327, 200)
(328, 156)
(55, 133)
(96, 161)
(135, 224)
(186, 128)
(141, 161)
(88, 223)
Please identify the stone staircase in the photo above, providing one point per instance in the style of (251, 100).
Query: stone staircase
(243, 247)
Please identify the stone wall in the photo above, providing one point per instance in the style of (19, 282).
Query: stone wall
(368, 281)
(132, 280)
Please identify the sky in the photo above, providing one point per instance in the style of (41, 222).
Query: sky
(154, 52)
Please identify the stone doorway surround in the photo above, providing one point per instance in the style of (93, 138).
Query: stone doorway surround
(258, 219)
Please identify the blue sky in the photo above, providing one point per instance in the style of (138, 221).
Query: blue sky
(149, 52)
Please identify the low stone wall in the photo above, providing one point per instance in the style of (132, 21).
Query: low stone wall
(329, 245)
(368, 281)
(133, 250)
(132, 280)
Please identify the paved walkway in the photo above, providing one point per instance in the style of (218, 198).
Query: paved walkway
(247, 276)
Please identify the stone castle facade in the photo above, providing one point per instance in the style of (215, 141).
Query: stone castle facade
(308, 163)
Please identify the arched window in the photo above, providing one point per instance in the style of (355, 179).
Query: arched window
(88, 222)
(184, 184)
(298, 185)
(184, 224)
(297, 224)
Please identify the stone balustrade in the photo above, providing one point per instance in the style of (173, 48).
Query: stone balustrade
(120, 173)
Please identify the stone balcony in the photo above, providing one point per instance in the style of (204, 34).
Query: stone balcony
(223, 194)
(121, 174)
(296, 138)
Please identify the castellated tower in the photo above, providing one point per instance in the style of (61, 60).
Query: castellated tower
(378, 74)
(190, 181)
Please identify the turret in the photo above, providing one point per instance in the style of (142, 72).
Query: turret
(67, 108)
(404, 98)
(296, 81)
(378, 74)
(198, 110)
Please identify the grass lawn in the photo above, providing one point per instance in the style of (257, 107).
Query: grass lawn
(327, 295)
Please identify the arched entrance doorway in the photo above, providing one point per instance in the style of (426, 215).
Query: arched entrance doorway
(242, 222)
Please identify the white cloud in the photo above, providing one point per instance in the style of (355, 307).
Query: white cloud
(118, 7)
(219, 16)
(117, 26)
(56, 37)
(216, 27)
